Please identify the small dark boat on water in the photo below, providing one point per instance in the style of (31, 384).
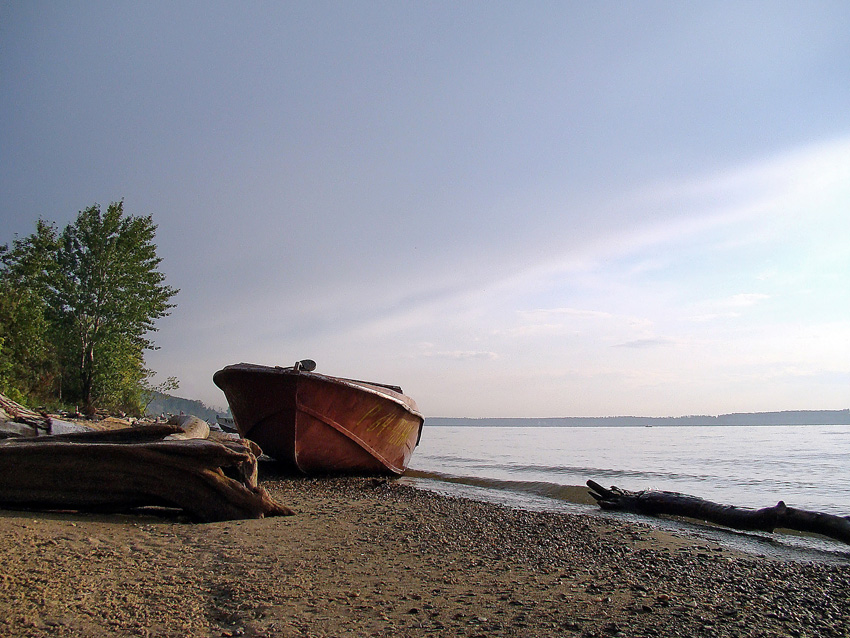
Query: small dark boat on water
(320, 424)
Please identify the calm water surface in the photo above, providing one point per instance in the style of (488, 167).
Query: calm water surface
(808, 467)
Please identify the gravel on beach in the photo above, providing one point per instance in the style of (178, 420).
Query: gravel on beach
(372, 557)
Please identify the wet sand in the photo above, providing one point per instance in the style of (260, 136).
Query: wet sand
(366, 557)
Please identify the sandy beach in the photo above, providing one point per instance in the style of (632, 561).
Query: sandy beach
(371, 557)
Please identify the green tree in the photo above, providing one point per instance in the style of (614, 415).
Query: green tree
(105, 299)
(28, 362)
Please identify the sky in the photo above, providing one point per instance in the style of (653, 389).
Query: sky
(507, 208)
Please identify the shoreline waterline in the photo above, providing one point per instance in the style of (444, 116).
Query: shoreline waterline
(748, 466)
(783, 545)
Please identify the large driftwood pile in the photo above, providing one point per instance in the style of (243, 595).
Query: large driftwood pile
(767, 519)
(155, 465)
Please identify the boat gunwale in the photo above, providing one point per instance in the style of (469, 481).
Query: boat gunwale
(377, 389)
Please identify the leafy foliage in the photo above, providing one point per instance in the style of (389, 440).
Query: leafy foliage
(28, 365)
(77, 308)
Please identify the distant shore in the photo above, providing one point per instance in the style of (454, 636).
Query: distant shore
(372, 557)
(788, 417)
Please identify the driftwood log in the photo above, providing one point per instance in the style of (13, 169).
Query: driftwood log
(24, 415)
(191, 427)
(135, 467)
(768, 519)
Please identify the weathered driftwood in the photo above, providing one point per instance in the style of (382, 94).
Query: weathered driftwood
(191, 427)
(18, 421)
(140, 434)
(768, 519)
(124, 469)
(37, 423)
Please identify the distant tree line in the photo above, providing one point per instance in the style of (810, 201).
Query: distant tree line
(787, 417)
(76, 309)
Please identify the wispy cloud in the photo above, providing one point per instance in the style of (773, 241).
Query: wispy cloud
(429, 350)
(728, 307)
(553, 322)
(461, 355)
(649, 342)
(563, 312)
(743, 300)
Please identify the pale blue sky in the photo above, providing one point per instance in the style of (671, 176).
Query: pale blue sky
(510, 209)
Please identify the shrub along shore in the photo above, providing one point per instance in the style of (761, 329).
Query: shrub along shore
(372, 557)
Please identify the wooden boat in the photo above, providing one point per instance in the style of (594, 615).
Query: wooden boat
(320, 424)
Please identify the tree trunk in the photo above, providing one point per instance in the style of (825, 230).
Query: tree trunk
(87, 378)
(767, 519)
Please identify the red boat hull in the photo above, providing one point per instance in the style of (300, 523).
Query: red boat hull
(319, 424)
